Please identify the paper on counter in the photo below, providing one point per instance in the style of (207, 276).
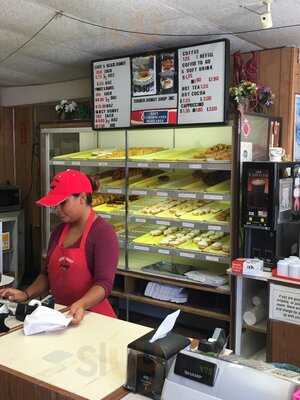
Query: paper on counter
(44, 319)
(4, 309)
(165, 327)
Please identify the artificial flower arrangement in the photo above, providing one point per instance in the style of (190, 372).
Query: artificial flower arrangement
(66, 107)
(257, 97)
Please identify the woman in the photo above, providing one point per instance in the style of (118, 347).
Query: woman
(82, 253)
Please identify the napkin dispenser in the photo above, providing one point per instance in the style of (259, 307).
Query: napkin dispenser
(148, 363)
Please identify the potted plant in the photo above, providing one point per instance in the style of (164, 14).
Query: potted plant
(66, 109)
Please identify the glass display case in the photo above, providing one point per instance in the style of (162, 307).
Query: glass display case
(172, 196)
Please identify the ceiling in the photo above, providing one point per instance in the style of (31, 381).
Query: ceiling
(62, 51)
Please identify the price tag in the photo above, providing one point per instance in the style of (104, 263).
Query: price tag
(163, 251)
(116, 191)
(163, 194)
(106, 216)
(163, 165)
(141, 220)
(187, 195)
(252, 267)
(163, 222)
(212, 258)
(142, 165)
(142, 248)
(75, 162)
(214, 228)
(139, 192)
(188, 225)
(58, 162)
(213, 197)
(103, 164)
(195, 166)
(187, 255)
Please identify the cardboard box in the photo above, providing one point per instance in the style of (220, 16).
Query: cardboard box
(5, 241)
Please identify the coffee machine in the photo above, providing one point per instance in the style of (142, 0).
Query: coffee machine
(271, 210)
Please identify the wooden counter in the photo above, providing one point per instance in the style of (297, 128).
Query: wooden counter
(84, 362)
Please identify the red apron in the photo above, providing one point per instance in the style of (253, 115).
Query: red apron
(69, 275)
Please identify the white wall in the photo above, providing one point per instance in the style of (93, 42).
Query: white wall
(20, 95)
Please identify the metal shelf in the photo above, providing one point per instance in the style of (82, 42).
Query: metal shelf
(211, 165)
(260, 327)
(174, 194)
(210, 226)
(89, 163)
(180, 194)
(196, 255)
(187, 308)
(178, 281)
(110, 215)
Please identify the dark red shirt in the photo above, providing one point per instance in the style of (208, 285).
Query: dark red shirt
(101, 250)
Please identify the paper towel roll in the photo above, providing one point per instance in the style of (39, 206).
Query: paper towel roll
(259, 298)
(255, 315)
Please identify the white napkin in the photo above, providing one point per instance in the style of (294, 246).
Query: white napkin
(4, 309)
(45, 319)
(165, 327)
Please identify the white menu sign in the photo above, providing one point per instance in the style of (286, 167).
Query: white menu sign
(285, 303)
(112, 93)
(201, 85)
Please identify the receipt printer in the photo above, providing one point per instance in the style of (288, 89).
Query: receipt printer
(148, 363)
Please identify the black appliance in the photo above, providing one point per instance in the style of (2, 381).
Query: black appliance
(148, 363)
(10, 198)
(271, 210)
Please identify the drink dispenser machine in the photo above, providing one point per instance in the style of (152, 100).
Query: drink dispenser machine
(271, 210)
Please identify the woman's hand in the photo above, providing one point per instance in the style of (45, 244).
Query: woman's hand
(12, 294)
(77, 312)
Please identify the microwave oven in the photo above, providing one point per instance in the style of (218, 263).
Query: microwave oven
(10, 198)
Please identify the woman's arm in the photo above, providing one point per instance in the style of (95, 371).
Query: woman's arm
(102, 254)
(92, 297)
(38, 287)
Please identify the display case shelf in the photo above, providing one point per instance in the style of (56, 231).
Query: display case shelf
(176, 282)
(172, 306)
(173, 194)
(196, 255)
(260, 327)
(89, 163)
(212, 165)
(210, 226)
(177, 194)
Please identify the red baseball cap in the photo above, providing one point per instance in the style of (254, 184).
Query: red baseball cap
(63, 185)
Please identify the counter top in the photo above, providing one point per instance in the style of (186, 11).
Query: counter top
(88, 361)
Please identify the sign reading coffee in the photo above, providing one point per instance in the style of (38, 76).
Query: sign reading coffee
(170, 87)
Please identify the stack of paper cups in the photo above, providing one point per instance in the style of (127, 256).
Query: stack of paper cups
(294, 269)
(283, 267)
(254, 315)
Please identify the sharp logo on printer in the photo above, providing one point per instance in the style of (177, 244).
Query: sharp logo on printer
(193, 374)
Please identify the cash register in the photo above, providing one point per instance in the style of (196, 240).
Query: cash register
(196, 376)
(171, 369)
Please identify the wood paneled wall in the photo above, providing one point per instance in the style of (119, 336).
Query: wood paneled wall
(7, 169)
(279, 69)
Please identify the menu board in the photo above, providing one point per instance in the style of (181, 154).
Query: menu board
(111, 86)
(201, 83)
(154, 89)
(169, 87)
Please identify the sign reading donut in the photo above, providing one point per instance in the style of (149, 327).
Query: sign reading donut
(171, 87)
(111, 90)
